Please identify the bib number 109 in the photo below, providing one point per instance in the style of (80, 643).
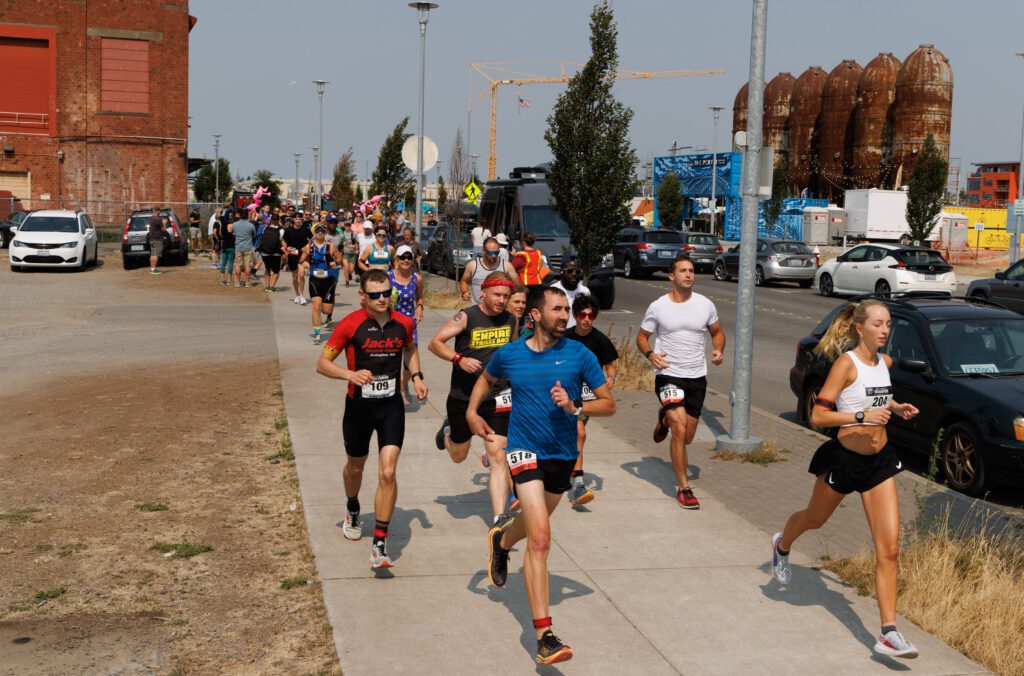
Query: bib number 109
(520, 461)
(381, 387)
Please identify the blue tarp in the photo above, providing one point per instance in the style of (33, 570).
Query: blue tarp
(790, 224)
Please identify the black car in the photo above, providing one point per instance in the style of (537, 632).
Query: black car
(13, 220)
(1006, 288)
(135, 247)
(444, 254)
(960, 361)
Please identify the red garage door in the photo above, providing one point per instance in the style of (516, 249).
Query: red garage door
(25, 85)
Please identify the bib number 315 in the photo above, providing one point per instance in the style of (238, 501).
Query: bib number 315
(670, 394)
(520, 461)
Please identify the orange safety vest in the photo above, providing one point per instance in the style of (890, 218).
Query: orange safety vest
(532, 273)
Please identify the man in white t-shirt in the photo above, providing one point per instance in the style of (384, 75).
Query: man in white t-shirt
(572, 271)
(365, 238)
(479, 235)
(682, 319)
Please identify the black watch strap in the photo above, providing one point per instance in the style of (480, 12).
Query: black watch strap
(647, 355)
(417, 374)
(859, 416)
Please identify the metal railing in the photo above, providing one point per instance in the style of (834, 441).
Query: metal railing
(29, 120)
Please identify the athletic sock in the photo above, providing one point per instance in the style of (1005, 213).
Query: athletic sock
(380, 531)
(577, 476)
(782, 552)
(353, 505)
(316, 332)
(886, 628)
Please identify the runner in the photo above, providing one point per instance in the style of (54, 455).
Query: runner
(350, 249)
(379, 255)
(585, 309)
(478, 269)
(680, 319)
(407, 298)
(546, 373)
(322, 260)
(295, 239)
(857, 398)
(517, 303)
(569, 282)
(271, 249)
(376, 340)
(479, 331)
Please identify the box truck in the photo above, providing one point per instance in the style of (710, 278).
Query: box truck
(879, 216)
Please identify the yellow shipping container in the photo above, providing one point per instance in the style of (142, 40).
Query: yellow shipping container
(994, 236)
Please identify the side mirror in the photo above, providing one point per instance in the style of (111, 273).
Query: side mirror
(917, 366)
(733, 249)
(1001, 275)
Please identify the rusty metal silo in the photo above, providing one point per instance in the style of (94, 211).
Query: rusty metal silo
(924, 105)
(739, 110)
(873, 122)
(804, 111)
(835, 144)
(777, 97)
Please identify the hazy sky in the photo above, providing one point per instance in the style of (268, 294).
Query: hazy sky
(369, 51)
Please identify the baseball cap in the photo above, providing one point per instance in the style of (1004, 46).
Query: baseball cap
(319, 228)
(501, 238)
(404, 249)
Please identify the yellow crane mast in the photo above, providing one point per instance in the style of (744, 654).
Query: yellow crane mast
(499, 73)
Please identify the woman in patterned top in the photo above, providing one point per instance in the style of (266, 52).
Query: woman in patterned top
(407, 297)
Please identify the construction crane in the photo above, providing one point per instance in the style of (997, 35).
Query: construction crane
(499, 73)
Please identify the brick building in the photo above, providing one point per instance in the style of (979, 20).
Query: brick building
(94, 103)
(993, 184)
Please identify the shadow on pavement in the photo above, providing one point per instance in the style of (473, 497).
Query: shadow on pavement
(658, 472)
(713, 419)
(469, 505)
(399, 531)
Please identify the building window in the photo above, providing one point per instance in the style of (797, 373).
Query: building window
(125, 76)
(988, 182)
(973, 184)
(987, 196)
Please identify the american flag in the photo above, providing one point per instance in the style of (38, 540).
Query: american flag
(523, 103)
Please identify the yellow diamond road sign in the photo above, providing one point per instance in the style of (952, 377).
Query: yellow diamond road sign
(472, 191)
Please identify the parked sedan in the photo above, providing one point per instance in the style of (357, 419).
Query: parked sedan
(882, 269)
(54, 239)
(1006, 288)
(961, 363)
(778, 260)
(702, 248)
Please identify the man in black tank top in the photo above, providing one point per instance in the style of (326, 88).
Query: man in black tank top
(479, 331)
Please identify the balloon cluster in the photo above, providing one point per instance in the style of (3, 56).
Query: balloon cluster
(369, 206)
(261, 192)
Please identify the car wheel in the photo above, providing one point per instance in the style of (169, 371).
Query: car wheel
(627, 268)
(758, 276)
(606, 300)
(806, 283)
(825, 287)
(128, 265)
(811, 392)
(720, 272)
(979, 294)
(84, 263)
(961, 459)
(882, 289)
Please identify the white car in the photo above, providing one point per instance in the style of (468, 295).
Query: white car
(54, 239)
(883, 269)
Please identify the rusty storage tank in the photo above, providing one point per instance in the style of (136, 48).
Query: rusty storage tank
(873, 122)
(777, 96)
(924, 105)
(739, 110)
(804, 111)
(835, 143)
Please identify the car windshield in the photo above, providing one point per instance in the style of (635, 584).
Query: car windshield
(465, 238)
(980, 346)
(664, 237)
(50, 224)
(704, 240)
(791, 248)
(544, 222)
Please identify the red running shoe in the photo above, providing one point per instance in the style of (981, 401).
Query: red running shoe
(686, 498)
(660, 431)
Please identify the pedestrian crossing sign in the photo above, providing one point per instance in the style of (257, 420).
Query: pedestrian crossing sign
(473, 192)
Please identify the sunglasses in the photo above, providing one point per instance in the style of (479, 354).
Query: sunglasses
(586, 314)
(572, 271)
(491, 253)
(377, 295)
(405, 257)
(380, 234)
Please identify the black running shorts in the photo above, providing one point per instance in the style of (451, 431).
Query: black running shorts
(323, 288)
(847, 471)
(460, 428)
(362, 418)
(273, 263)
(674, 392)
(554, 472)
(293, 262)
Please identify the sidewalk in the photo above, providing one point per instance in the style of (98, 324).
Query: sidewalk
(637, 584)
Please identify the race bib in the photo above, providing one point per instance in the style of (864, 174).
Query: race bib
(877, 397)
(503, 402)
(587, 394)
(320, 274)
(381, 387)
(670, 394)
(520, 461)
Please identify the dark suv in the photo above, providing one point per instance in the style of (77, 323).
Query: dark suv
(960, 361)
(641, 251)
(135, 248)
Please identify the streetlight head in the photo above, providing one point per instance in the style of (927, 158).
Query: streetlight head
(423, 6)
(717, 108)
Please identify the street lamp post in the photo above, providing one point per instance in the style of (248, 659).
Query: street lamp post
(423, 11)
(473, 156)
(216, 169)
(717, 110)
(297, 156)
(1015, 239)
(320, 86)
(316, 164)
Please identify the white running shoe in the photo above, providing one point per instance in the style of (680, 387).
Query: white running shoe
(894, 645)
(295, 300)
(303, 301)
(352, 529)
(780, 563)
(379, 556)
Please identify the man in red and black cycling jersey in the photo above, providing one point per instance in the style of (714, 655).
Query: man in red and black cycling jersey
(375, 340)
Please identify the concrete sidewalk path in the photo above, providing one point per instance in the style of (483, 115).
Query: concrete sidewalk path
(637, 584)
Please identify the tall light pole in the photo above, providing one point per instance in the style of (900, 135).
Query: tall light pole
(297, 156)
(717, 110)
(738, 439)
(423, 11)
(320, 86)
(316, 164)
(216, 169)
(473, 156)
(1015, 238)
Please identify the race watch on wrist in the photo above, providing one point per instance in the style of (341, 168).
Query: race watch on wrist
(859, 416)
(647, 355)
(578, 403)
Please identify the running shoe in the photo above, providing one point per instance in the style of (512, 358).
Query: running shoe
(894, 645)
(224, 283)
(485, 460)
(156, 271)
(318, 340)
(303, 301)
(497, 562)
(551, 650)
(660, 431)
(504, 521)
(686, 498)
(296, 300)
(214, 266)
(352, 529)
(444, 431)
(379, 556)
(780, 563)
(580, 494)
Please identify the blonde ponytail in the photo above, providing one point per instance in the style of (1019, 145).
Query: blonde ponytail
(841, 334)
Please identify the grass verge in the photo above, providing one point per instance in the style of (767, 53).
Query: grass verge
(441, 294)
(299, 580)
(151, 507)
(764, 456)
(633, 372)
(181, 550)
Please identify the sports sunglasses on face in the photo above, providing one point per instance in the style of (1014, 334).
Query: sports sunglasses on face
(405, 257)
(586, 314)
(377, 295)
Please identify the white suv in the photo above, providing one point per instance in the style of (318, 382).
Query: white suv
(884, 269)
(54, 239)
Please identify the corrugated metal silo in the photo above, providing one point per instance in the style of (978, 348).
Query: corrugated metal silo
(873, 123)
(835, 144)
(804, 111)
(777, 97)
(739, 110)
(924, 105)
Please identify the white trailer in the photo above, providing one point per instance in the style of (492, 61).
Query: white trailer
(879, 216)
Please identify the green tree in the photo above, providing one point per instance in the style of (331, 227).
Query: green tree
(670, 201)
(265, 178)
(780, 191)
(926, 191)
(205, 184)
(442, 196)
(342, 187)
(593, 173)
(392, 178)
(358, 194)
(409, 198)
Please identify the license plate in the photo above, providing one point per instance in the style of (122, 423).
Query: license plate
(703, 259)
(42, 253)
(797, 262)
(930, 278)
(136, 247)
(666, 254)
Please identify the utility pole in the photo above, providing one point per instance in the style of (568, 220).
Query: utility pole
(316, 164)
(1015, 238)
(474, 156)
(216, 169)
(739, 439)
(320, 86)
(297, 156)
(423, 11)
(717, 110)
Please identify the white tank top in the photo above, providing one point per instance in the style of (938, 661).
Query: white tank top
(871, 390)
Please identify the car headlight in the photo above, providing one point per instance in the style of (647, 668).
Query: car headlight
(1018, 428)
(67, 245)
(607, 261)
(15, 242)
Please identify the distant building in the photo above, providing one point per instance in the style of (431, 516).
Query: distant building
(94, 103)
(993, 184)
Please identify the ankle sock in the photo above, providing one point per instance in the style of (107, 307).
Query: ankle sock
(353, 505)
(380, 531)
(781, 551)
(316, 331)
(886, 628)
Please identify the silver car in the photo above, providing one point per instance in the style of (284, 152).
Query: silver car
(778, 260)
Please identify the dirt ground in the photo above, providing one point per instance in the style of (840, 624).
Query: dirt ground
(100, 469)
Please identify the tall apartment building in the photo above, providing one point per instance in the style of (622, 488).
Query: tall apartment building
(993, 184)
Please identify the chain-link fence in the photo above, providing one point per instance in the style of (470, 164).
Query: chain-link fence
(109, 216)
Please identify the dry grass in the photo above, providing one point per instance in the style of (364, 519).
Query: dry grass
(764, 456)
(633, 372)
(968, 591)
(441, 294)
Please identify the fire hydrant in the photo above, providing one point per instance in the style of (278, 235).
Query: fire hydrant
(817, 256)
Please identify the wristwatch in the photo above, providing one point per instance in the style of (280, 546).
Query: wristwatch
(647, 355)
(418, 374)
(859, 416)
(578, 403)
